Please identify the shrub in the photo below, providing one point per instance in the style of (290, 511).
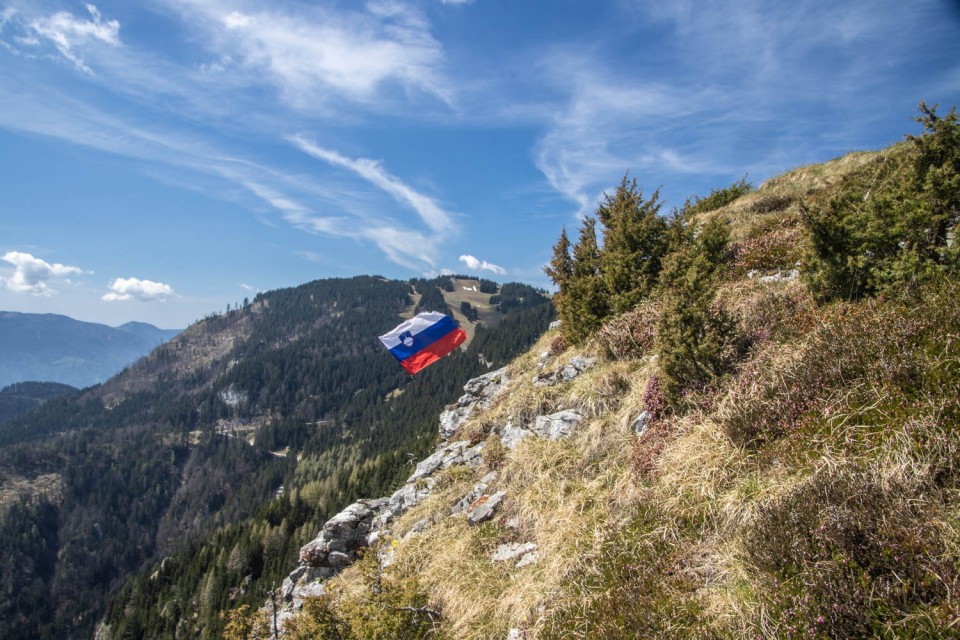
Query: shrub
(386, 607)
(697, 341)
(717, 198)
(633, 244)
(877, 364)
(890, 224)
(849, 555)
(770, 246)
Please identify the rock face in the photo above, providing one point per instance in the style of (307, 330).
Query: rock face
(366, 523)
(342, 536)
(479, 392)
(485, 507)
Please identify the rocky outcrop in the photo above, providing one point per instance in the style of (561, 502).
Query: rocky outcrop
(342, 536)
(566, 373)
(478, 393)
(366, 523)
(484, 508)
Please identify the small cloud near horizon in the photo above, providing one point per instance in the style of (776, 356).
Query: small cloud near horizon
(127, 289)
(30, 274)
(476, 263)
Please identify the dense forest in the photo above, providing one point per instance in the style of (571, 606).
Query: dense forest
(186, 484)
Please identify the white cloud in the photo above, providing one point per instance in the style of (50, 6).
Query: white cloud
(127, 289)
(319, 53)
(68, 32)
(30, 274)
(401, 244)
(250, 288)
(475, 263)
(373, 172)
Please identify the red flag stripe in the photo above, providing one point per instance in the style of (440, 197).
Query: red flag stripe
(434, 352)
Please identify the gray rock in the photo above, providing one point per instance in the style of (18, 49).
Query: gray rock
(780, 276)
(479, 393)
(487, 507)
(641, 424)
(511, 436)
(428, 465)
(556, 425)
(343, 535)
(474, 494)
(516, 634)
(528, 559)
(512, 551)
(556, 324)
(420, 525)
(542, 361)
(577, 365)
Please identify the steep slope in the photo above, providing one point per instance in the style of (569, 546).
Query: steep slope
(750, 451)
(228, 442)
(55, 348)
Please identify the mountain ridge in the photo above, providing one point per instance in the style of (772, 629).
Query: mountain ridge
(57, 348)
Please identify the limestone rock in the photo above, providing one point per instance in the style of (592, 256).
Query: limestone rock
(485, 507)
(528, 559)
(342, 536)
(511, 435)
(474, 494)
(479, 393)
(556, 425)
(512, 551)
(577, 365)
(641, 424)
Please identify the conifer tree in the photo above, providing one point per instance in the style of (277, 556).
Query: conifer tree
(585, 301)
(633, 244)
(695, 342)
(560, 269)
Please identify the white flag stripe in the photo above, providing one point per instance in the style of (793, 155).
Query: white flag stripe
(414, 325)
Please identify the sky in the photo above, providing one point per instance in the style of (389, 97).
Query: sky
(162, 159)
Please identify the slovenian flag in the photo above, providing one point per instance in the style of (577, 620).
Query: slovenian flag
(422, 340)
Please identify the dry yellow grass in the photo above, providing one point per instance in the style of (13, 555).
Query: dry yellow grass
(573, 497)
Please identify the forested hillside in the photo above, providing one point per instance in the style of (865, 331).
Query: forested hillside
(219, 454)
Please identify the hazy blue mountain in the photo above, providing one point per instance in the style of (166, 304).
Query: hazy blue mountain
(56, 348)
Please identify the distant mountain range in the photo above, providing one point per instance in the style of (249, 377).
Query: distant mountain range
(56, 348)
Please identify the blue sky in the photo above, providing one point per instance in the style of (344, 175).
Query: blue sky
(160, 159)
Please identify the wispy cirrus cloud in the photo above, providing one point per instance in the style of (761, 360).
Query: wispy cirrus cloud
(68, 33)
(400, 241)
(33, 275)
(311, 56)
(753, 89)
(373, 172)
(130, 289)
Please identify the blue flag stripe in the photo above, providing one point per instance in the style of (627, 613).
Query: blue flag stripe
(424, 339)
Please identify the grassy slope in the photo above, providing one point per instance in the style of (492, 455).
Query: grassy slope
(812, 493)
